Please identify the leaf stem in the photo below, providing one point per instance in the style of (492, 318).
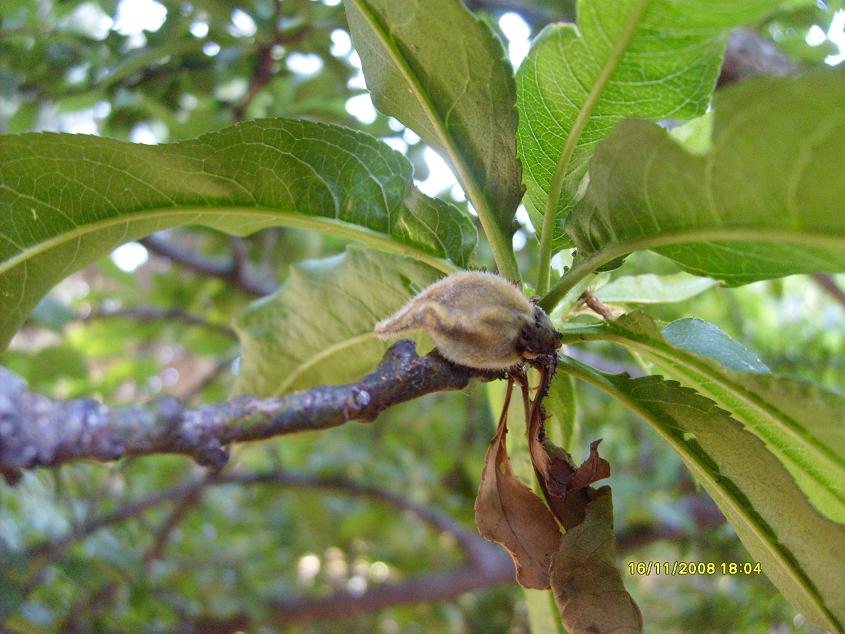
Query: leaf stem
(569, 280)
(168, 218)
(584, 114)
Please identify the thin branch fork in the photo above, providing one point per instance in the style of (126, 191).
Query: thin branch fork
(187, 494)
(486, 564)
(182, 507)
(37, 431)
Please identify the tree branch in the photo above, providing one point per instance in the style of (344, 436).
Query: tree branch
(749, 54)
(37, 431)
(261, 76)
(152, 313)
(828, 284)
(487, 565)
(596, 305)
(52, 552)
(181, 508)
(265, 64)
(234, 271)
(473, 546)
(436, 586)
(223, 365)
(93, 602)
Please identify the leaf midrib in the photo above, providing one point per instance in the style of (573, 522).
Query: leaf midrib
(798, 236)
(780, 419)
(581, 120)
(316, 359)
(763, 536)
(301, 221)
(784, 423)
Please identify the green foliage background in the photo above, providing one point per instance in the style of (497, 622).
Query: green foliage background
(62, 68)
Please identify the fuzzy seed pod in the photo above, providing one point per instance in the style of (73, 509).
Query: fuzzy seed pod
(477, 319)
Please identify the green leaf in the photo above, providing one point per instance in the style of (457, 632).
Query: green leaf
(701, 337)
(653, 289)
(695, 135)
(442, 72)
(66, 200)
(318, 328)
(149, 57)
(767, 200)
(799, 422)
(656, 59)
(561, 406)
(799, 550)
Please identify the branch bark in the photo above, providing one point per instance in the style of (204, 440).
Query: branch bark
(265, 64)
(37, 431)
(749, 54)
(436, 586)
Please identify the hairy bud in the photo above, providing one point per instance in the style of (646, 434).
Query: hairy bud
(477, 319)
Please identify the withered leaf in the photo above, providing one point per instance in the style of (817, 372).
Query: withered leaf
(554, 466)
(593, 468)
(508, 513)
(586, 583)
(553, 469)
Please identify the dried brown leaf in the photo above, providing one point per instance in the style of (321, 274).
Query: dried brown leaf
(586, 583)
(554, 466)
(509, 513)
(563, 484)
(593, 468)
